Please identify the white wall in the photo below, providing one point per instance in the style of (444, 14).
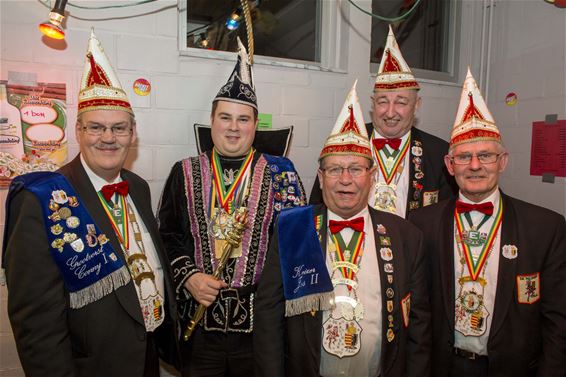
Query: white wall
(182, 87)
(528, 50)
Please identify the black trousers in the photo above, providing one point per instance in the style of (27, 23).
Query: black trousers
(215, 354)
(464, 367)
(151, 358)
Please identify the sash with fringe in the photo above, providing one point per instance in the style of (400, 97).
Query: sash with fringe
(306, 284)
(90, 268)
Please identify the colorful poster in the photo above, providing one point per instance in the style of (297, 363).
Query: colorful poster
(32, 129)
(548, 149)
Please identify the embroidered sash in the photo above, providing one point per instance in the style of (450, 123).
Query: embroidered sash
(306, 283)
(89, 266)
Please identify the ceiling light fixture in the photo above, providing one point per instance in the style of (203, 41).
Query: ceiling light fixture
(52, 28)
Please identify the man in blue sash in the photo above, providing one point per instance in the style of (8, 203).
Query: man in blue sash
(410, 170)
(89, 289)
(196, 214)
(497, 264)
(343, 291)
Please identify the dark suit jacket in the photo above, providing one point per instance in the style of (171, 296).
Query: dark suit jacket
(104, 338)
(292, 346)
(524, 339)
(436, 177)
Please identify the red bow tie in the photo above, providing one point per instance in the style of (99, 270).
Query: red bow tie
(357, 224)
(486, 208)
(121, 188)
(378, 144)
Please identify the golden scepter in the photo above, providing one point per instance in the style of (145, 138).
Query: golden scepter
(233, 239)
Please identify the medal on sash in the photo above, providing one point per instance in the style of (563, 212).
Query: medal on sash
(342, 331)
(151, 302)
(470, 312)
(390, 166)
(385, 197)
(472, 236)
(118, 218)
(221, 218)
(341, 337)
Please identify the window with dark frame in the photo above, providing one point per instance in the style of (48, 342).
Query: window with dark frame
(423, 35)
(288, 29)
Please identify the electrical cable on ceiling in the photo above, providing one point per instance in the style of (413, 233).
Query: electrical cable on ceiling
(387, 19)
(130, 4)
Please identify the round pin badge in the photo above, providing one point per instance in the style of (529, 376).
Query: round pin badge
(64, 213)
(386, 253)
(73, 222)
(142, 87)
(511, 99)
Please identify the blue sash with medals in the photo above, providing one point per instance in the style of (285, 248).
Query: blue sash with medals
(90, 268)
(286, 186)
(306, 284)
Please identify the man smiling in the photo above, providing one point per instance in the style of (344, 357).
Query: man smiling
(199, 202)
(89, 286)
(344, 289)
(410, 173)
(497, 264)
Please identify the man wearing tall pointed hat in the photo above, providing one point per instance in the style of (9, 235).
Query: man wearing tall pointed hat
(497, 264)
(197, 213)
(410, 170)
(344, 288)
(89, 285)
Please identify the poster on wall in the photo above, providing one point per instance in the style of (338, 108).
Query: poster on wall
(548, 150)
(32, 129)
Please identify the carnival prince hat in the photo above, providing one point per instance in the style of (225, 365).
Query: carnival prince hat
(100, 87)
(240, 87)
(349, 135)
(394, 72)
(474, 121)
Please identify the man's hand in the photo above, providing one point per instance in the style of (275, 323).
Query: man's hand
(204, 288)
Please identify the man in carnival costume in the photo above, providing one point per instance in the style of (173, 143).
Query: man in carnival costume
(196, 214)
(89, 285)
(497, 264)
(410, 170)
(344, 288)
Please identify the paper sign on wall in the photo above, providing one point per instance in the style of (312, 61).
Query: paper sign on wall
(265, 121)
(548, 149)
(32, 129)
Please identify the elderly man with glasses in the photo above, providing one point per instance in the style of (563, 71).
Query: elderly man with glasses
(497, 264)
(89, 285)
(344, 290)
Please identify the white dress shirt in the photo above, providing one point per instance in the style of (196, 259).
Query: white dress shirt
(478, 344)
(402, 181)
(150, 251)
(366, 363)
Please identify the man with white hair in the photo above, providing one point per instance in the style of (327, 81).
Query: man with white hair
(497, 264)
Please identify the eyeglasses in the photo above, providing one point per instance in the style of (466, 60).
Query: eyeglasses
(336, 171)
(484, 158)
(99, 130)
